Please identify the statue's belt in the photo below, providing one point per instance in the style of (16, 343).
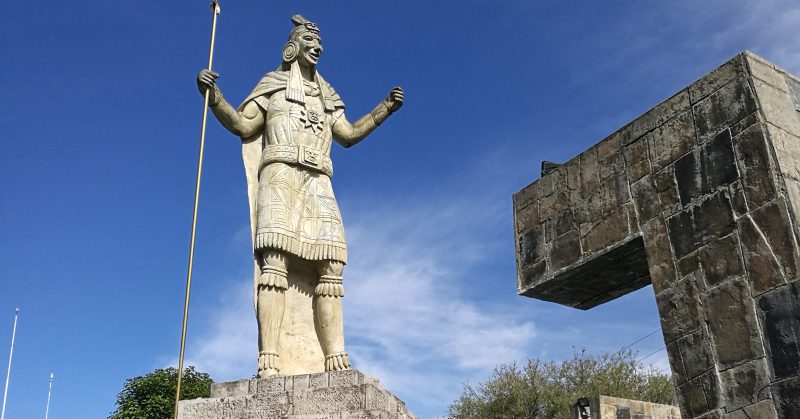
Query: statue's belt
(309, 157)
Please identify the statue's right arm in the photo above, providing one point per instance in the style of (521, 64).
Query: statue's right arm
(244, 123)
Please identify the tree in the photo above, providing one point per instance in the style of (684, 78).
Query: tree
(153, 396)
(545, 390)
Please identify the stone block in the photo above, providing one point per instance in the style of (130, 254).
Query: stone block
(645, 197)
(531, 245)
(655, 117)
(688, 264)
(659, 255)
(713, 218)
(786, 394)
(765, 71)
(745, 384)
(336, 395)
(667, 188)
(672, 140)
(564, 222)
(764, 409)
(696, 353)
(612, 165)
(680, 309)
(787, 151)
(706, 169)
(726, 106)
(589, 209)
(738, 200)
(565, 250)
(230, 389)
(700, 395)
(754, 164)
(777, 107)
(774, 223)
(590, 172)
(527, 217)
(732, 324)
(532, 274)
(717, 78)
(613, 228)
(780, 311)
(722, 260)
(614, 192)
(682, 235)
(637, 160)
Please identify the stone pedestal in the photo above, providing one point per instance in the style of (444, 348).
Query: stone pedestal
(329, 395)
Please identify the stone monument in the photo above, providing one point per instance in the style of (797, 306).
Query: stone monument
(700, 196)
(287, 125)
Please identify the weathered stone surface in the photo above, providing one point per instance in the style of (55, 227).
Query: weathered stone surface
(605, 407)
(761, 410)
(672, 140)
(613, 228)
(722, 260)
(724, 107)
(732, 324)
(667, 188)
(637, 160)
(780, 310)
(754, 164)
(696, 353)
(339, 394)
(717, 78)
(745, 384)
(777, 107)
(787, 151)
(655, 117)
(590, 172)
(698, 225)
(659, 255)
(787, 397)
(766, 72)
(699, 395)
(706, 169)
(680, 309)
(566, 250)
(645, 197)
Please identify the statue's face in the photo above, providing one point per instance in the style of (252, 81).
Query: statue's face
(310, 49)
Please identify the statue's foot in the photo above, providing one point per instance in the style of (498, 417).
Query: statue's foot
(337, 362)
(268, 364)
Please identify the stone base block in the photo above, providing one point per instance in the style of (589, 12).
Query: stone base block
(329, 395)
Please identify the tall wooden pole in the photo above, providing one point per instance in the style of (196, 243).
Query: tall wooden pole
(8, 371)
(216, 9)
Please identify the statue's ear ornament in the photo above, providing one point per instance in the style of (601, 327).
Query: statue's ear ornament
(290, 51)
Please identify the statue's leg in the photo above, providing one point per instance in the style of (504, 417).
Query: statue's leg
(270, 305)
(328, 314)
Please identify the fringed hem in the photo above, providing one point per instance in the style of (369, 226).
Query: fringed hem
(308, 251)
(273, 277)
(330, 286)
(337, 362)
(267, 361)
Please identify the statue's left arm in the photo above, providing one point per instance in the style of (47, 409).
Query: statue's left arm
(348, 134)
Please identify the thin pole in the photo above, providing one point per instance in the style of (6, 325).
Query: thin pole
(8, 372)
(49, 391)
(216, 10)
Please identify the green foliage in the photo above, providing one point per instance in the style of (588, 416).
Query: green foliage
(545, 390)
(153, 396)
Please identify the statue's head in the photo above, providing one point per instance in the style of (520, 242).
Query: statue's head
(304, 44)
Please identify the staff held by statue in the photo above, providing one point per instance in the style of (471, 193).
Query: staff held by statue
(215, 13)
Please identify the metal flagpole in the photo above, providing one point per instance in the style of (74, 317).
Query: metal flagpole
(49, 391)
(216, 9)
(8, 372)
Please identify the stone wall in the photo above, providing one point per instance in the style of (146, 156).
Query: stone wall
(604, 407)
(700, 196)
(329, 395)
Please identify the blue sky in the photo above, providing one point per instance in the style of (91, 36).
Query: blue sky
(99, 125)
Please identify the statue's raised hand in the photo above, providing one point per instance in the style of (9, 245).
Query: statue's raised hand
(206, 80)
(395, 99)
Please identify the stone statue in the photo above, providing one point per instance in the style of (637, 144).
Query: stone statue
(286, 125)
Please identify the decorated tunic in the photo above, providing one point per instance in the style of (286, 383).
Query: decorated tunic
(294, 209)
